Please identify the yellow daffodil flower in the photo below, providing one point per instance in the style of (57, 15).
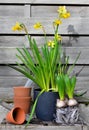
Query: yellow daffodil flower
(58, 37)
(51, 44)
(17, 27)
(57, 22)
(37, 25)
(63, 12)
(66, 15)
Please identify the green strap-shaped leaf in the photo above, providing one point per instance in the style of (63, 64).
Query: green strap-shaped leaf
(33, 108)
(61, 86)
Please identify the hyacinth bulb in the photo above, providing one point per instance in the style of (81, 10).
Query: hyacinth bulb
(60, 103)
(72, 102)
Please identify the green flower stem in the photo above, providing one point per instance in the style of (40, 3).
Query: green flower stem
(44, 34)
(33, 109)
(56, 31)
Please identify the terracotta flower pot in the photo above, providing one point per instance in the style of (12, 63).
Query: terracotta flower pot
(16, 116)
(21, 91)
(23, 102)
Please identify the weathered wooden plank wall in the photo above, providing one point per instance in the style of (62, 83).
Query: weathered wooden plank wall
(29, 12)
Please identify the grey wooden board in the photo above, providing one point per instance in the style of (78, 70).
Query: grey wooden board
(45, 1)
(68, 41)
(27, 10)
(84, 71)
(73, 25)
(86, 127)
(39, 127)
(13, 41)
(12, 81)
(82, 82)
(82, 85)
(7, 84)
(61, 2)
(7, 10)
(8, 55)
(3, 113)
(20, 41)
(73, 52)
(6, 92)
(36, 11)
(16, 1)
(51, 11)
(84, 110)
(8, 71)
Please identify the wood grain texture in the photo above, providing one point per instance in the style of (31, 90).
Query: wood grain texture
(42, 11)
(27, 11)
(10, 78)
(12, 81)
(20, 41)
(13, 41)
(7, 10)
(68, 41)
(41, 127)
(45, 1)
(60, 2)
(74, 25)
(7, 84)
(51, 11)
(8, 71)
(15, 1)
(8, 55)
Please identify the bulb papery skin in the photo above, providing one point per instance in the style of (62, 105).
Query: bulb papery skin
(72, 102)
(60, 103)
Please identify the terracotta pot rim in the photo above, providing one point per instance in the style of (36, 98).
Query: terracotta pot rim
(10, 117)
(22, 91)
(17, 87)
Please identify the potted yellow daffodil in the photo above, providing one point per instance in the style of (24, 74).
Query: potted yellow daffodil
(42, 66)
